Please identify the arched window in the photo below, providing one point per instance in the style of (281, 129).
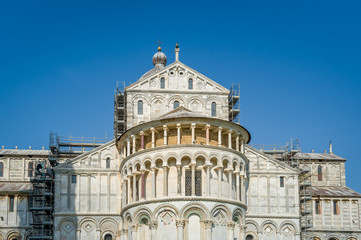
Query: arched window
(214, 109)
(249, 237)
(107, 161)
(190, 83)
(175, 104)
(140, 107)
(30, 169)
(1, 169)
(319, 173)
(162, 83)
(108, 237)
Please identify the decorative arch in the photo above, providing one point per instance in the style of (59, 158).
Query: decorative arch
(141, 212)
(106, 234)
(250, 223)
(239, 212)
(158, 157)
(211, 99)
(178, 98)
(285, 223)
(195, 208)
(139, 96)
(200, 99)
(14, 235)
(66, 219)
(165, 207)
(201, 154)
(104, 222)
(170, 156)
(88, 219)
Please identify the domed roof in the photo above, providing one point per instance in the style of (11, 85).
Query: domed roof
(159, 62)
(159, 58)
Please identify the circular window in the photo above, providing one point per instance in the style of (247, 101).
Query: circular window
(171, 73)
(181, 73)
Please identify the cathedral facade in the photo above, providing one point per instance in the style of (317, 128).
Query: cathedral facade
(183, 170)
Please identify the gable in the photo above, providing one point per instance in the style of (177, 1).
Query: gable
(177, 76)
(94, 159)
(262, 163)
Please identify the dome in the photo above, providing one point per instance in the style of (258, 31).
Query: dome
(159, 59)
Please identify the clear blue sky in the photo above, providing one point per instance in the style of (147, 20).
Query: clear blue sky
(298, 63)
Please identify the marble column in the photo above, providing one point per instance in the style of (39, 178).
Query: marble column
(242, 146)
(243, 232)
(237, 187)
(135, 197)
(78, 234)
(153, 183)
(208, 177)
(142, 186)
(219, 137)
(193, 126)
(208, 229)
(128, 147)
(165, 181)
(230, 230)
(153, 229)
(193, 166)
(142, 140)
(165, 129)
(243, 196)
(180, 229)
(129, 198)
(230, 139)
(134, 143)
(230, 183)
(134, 232)
(207, 134)
(220, 173)
(237, 142)
(153, 137)
(179, 180)
(179, 133)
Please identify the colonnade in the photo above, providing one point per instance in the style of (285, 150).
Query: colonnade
(135, 183)
(181, 230)
(129, 146)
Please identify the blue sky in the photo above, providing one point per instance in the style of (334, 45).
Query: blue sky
(298, 63)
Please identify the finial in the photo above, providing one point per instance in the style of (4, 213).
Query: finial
(176, 50)
(159, 43)
(331, 147)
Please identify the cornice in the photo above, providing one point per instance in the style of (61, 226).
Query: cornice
(182, 146)
(274, 216)
(61, 214)
(185, 199)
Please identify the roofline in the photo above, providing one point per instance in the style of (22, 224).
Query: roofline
(185, 66)
(174, 118)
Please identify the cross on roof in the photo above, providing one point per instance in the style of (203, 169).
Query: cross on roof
(159, 42)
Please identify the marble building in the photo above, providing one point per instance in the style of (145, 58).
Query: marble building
(182, 170)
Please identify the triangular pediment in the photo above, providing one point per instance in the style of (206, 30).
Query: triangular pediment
(181, 112)
(260, 162)
(177, 76)
(94, 159)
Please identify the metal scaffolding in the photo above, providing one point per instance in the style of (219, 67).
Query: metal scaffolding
(41, 203)
(41, 199)
(289, 154)
(120, 110)
(233, 103)
(291, 157)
